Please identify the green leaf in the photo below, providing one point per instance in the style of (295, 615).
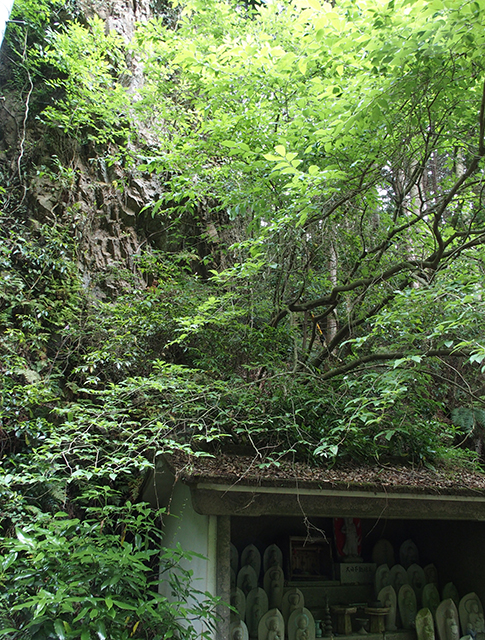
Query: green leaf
(101, 630)
(59, 629)
(124, 605)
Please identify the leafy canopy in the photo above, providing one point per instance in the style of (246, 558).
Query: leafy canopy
(317, 291)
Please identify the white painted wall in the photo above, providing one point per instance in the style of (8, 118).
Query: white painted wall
(194, 533)
(5, 8)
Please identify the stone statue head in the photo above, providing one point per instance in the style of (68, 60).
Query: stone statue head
(237, 634)
(275, 576)
(302, 622)
(272, 624)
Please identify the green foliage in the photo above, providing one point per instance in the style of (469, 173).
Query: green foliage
(63, 577)
(342, 170)
(319, 291)
(91, 572)
(91, 65)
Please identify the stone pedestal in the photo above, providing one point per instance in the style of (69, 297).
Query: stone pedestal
(344, 622)
(377, 617)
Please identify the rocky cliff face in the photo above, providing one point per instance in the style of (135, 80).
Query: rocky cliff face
(101, 204)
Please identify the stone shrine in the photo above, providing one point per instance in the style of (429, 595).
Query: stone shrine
(293, 530)
(273, 605)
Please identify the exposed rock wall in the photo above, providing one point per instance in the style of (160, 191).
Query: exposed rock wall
(102, 205)
(56, 179)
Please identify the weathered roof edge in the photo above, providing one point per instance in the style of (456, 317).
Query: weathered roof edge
(236, 471)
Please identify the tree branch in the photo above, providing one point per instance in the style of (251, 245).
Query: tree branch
(391, 355)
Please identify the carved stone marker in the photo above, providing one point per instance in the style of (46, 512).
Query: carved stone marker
(246, 579)
(382, 578)
(301, 625)
(450, 591)
(238, 631)
(408, 554)
(387, 597)
(251, 556)
(398, 577)
(271, 626)
(407, 606)
(256, 607)
(292, 599)
(238, 601)
(417, 580)
(431, 574)
(383, 553)
(447, 621)
(273, 585)
(471, 616)
(431, 597)
(425, 624)
(273, 557)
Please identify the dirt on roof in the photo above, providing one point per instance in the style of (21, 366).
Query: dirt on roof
(254, 471)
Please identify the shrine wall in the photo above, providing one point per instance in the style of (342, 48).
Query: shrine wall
(195, 533)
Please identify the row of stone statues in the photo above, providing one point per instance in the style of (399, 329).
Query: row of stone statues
(417, 587)
(264, 613)
(247, 578)
(271, 626)
(407, 598)
(397, 576)
(257, 604)
(401, 609)
(452, 623)
(383, 553)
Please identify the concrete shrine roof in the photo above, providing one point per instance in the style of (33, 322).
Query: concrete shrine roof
(231, 484)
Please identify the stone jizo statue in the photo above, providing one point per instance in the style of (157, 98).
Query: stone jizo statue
(387, 597)
(246, 579)
(292, 599)
(238, 631)
(273, 585)
(471, 616)
(256, 607)
(447, 621)
(271, 626)
(273, 557)
(352, 539)
(407, 606)
(251, 557)
(301, 625)
(425, 624)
